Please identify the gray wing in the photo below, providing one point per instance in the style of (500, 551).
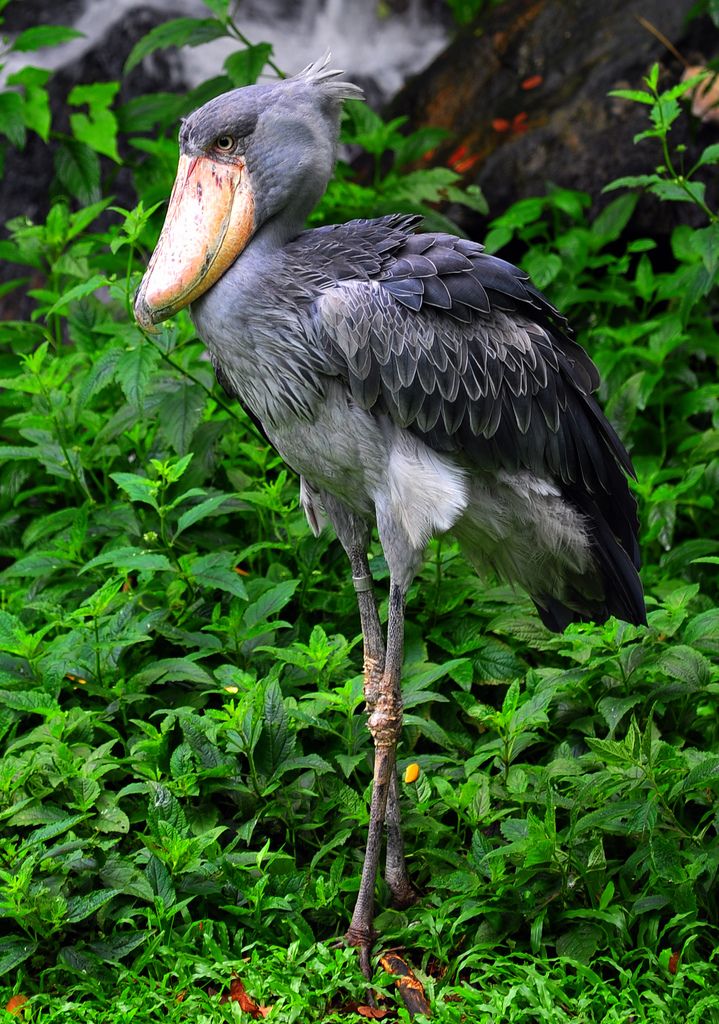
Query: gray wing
(460, 348)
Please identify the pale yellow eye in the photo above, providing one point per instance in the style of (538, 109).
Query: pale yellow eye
(224, 143)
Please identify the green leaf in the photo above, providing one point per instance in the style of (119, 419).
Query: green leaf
(272, 601)
(632, 181)
(14, 951)
(78, 169)
(244, 67)
(32, 702)
(206, 508)
(112, 819)
(119, 945)
(179, 414)
(702, 775)
(219, 8)
(134, 370)
(98, 128)
(80, 907)
(41, 835)
(160, 881)
(130, 559)
(217, 570)
(101, 374)
(138, 488)
(173, 670)
(39, 36)
(12, 119)
(179, 32)
(683, 662)
(709, 156)
(78, 292)
(666, 858)
(164, 806)
(277, 743)
(610, 223)
(36, 101)
(635, 95)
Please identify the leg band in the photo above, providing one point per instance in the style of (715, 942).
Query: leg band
(362, 583)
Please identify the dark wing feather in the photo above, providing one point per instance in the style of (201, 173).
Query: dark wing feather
(460, 348)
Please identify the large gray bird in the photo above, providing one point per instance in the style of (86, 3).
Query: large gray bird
(411, 380)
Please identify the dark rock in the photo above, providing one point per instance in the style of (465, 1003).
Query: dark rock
(515, 141)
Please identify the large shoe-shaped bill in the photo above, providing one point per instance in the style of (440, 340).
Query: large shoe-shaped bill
(209, 222)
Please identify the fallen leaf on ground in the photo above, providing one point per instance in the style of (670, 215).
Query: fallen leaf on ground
(238, 994)
(410, 987)
(371, 1012)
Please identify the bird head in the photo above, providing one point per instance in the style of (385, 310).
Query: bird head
(253, 157)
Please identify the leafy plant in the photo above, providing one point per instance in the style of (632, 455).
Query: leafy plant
(185, 760)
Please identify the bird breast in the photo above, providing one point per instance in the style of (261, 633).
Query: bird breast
(368, 462)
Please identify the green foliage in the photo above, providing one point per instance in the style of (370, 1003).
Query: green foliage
(185, 760)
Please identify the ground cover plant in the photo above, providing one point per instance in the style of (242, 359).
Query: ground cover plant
(185, 764)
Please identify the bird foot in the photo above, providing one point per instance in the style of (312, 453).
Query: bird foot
(363, 939)
(403, 896)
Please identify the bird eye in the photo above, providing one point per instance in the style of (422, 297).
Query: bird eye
(224, 143)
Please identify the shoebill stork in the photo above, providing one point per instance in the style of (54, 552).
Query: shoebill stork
(412, 381)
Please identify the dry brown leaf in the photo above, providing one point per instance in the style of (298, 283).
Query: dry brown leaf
(238, 994)
(410, 987)
(372, 1012)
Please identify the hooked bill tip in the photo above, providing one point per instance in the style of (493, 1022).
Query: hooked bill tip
(146, 317)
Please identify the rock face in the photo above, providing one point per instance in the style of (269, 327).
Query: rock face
(523, 92)
(25, 184)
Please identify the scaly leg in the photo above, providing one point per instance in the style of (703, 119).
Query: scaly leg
(353, 534)
(385, 724)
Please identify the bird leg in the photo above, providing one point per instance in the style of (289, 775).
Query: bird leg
(353, 533)
(396, 875)
(385, 724)
(395, 869)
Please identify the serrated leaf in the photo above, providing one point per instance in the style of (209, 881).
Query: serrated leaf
(160, 881)
(277, 742)
(118, 946)
(79, 291)
(635, 95)
(134, 369)
(579, 943)
(173, 670)
(80, 907)
(178, 32)
(613, 709)
(13, 952)
(201, 511)
(78, 169)
(101, 374)
(138, 488)
(217, 570)
(683, 662)
(179, 413)
(56, 828)
(272, 601)
(131, 560)
(164, 806)
(30, 701)
(12, 122)
(666, 858)
(702, 775)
